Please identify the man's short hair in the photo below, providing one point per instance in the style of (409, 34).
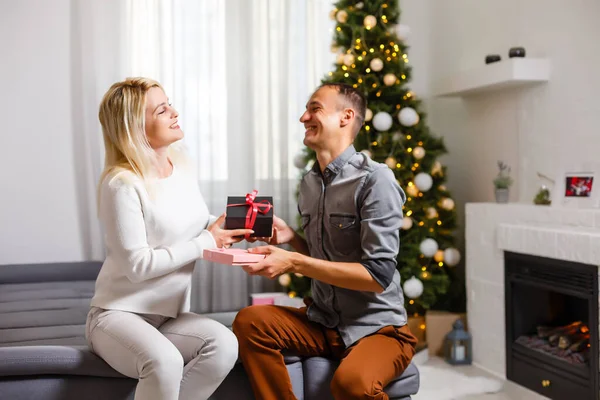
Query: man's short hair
(354, 98)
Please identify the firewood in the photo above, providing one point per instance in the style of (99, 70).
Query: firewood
(579, 345)
(547, 331)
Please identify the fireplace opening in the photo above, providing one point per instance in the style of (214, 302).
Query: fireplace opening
(552, 326)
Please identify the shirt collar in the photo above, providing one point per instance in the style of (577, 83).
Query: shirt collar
(336, 165)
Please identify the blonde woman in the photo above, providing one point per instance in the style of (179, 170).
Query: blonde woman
(157, 225)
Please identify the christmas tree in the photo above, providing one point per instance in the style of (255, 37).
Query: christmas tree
(373, 58)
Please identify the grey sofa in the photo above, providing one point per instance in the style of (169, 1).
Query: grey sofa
(43, 354)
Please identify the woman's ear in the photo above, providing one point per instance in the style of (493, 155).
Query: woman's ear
(347, 117)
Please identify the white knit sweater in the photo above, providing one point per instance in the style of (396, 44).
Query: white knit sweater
(152, 243)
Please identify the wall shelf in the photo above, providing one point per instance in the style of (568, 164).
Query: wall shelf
(514, 72)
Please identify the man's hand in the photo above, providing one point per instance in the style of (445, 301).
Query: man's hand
(282, 233)
(276, 262)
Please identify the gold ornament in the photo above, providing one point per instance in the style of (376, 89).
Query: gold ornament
(368, 114)
(439, 256)
(431, 213)
(437, 168)
(370, 21)
(418, 152)
(341, 16)
(412, 190)
(391, 162)
(389, 79)
(349, 59)
(447, 203)
(407, 223)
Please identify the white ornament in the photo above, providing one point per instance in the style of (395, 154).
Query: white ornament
(428, 247)
(391, 162)
(367, 153)
(389, 79)
(300, 161)
(437, 168)
(403, 31)
(447, 203)
(431, 213)
(396, 137)
(339, 59)
(423, 181)
(370, 21)
(408, 116)
(284, 280)
(382, 121)
(412, 190)
(418, 152)
(368, 114)
(452, 256)
(407, 223)
(359, 5)
(341, 16)
(439, 256)
(376, 64)
(348, 59)
(413, 288)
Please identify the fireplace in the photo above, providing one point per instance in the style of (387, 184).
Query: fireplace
(551, 311)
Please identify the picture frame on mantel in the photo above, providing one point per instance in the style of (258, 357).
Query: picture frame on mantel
(578, 187)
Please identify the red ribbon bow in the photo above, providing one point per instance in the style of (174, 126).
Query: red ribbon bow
(254, 207)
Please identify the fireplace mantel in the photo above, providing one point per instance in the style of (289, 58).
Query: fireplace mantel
(491, 229)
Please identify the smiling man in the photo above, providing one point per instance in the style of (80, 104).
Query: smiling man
(351, 210)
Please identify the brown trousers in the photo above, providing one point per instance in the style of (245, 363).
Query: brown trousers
(366, 367)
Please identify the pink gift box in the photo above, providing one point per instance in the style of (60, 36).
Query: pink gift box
(266, 298)
(232, 256)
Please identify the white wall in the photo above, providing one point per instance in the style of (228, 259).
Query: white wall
(38, 209)
(538, 129)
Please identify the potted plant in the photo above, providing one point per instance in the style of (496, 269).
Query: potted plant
(502, 182)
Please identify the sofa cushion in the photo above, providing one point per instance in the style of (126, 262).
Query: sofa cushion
(318, 372)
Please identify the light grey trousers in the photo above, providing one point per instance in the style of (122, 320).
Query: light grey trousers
(173, 358)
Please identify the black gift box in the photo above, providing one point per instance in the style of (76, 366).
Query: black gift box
(236, 215)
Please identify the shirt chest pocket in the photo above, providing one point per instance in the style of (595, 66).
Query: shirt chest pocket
(345, 232)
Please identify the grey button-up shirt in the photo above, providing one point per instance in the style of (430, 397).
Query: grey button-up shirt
(352, 212)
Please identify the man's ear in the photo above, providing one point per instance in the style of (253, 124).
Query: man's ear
(347, 117)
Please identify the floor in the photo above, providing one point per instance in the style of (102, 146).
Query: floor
(510, 391)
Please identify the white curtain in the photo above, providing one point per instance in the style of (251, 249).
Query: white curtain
(239, 72)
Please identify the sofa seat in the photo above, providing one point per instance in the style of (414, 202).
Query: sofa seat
(44, 355)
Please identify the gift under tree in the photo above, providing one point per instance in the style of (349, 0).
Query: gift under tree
(372, 57)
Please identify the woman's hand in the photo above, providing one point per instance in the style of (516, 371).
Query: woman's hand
(226, 237)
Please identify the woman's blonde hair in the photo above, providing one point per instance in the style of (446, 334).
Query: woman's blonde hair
(123, 118)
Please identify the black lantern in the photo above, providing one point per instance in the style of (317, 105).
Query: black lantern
(458, 348)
